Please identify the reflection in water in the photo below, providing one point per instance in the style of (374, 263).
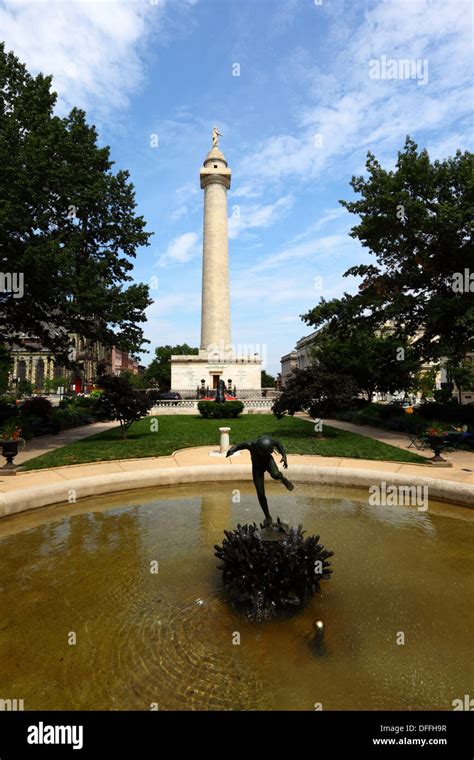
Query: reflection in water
(168, 637)
(216, 514)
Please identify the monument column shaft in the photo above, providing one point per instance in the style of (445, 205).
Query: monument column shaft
(215, 308)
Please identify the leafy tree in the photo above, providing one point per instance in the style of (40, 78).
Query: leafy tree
(158, 373)
(315, 390)
(416, 221)
(6, 365)
(121, 401)
(136, 381)
(425, 382)
(268, 381)
(376, 362)
(461, 375)
(68, 225)
(25, 388)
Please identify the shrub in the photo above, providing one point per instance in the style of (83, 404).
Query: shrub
(121, 401)
(61, 419)
(25, 388)
(213, 410)
(33, 425)
(8, 409)
(66, 402)
(38, 406)
(462, 414)
(388, 411)
(358, 403)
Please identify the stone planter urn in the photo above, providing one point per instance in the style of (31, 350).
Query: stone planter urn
(10, 441)
(10, 450)
(437, 443)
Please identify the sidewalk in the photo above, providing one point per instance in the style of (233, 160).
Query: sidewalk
(199, 457)
(461, 460)
(37, 446)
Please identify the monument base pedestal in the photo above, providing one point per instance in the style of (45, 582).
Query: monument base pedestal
(188, 371)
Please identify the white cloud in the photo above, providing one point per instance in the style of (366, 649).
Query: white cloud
(328, 216)
(257, 216)
(181, 249)
(328, 245)
(179, 212)
(348, 112)
(246, 191)
(92, 49)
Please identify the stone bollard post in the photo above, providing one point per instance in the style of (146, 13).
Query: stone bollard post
(225, 441)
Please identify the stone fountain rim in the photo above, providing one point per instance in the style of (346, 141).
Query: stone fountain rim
(34, 497)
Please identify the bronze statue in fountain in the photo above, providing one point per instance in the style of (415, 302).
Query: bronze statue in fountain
(274, 568)
(261, 450)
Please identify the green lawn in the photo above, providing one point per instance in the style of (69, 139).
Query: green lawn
(183, 431)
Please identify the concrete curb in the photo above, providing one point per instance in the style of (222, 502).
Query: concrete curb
(25, 499)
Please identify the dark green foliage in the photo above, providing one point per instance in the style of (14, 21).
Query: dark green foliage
(36, 416)
(8, 409)
(6, 365)
(268, 381)
(373, 361)
(38, 406)
(67, 223)
(62, 419)
(264, 578)
(315, 390)
(416, 221)
(25, 388)
(394, 417)
(121, 401)
(214, 410)
(461, 414)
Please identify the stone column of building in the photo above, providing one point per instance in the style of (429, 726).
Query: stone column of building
(215, 308)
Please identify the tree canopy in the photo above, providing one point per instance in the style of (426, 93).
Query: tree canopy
(416, 221)
(68, 224)
(121, 401)
(315, 390)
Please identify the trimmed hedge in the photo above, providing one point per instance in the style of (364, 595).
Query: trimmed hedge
(37, 416)
(213, 410)
(462, 414)
(38, 405)
(61, 419)
(8, 409)
(394, 417)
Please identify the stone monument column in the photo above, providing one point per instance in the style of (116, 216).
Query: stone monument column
(215, 308)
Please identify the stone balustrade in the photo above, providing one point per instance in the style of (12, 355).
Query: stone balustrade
(187, 406)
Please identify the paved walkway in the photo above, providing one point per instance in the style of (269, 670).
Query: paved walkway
(37, 446)
(463, 460)
(200, 456)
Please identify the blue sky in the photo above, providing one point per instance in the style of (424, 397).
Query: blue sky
(297, 124)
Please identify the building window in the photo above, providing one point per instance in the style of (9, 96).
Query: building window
(39, 374)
